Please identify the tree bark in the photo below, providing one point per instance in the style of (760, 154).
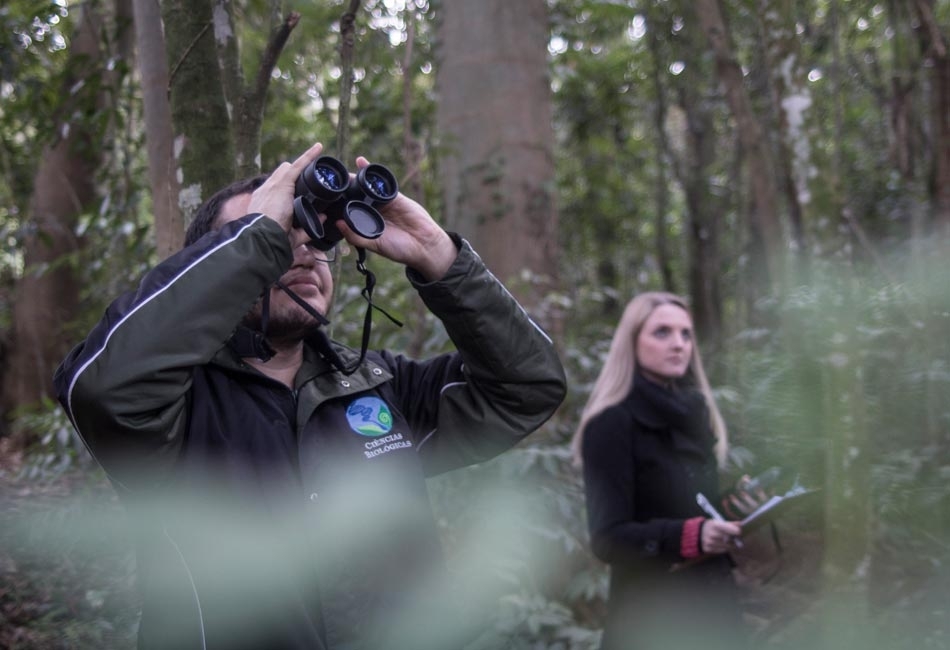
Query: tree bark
(693, 170)
(203, 149)
(663, 256)
(153, 69)
(937, 49)
(46, 298)
(347, 47)
(767, 246)
(246, 100)
(494, 119)
(791, 101)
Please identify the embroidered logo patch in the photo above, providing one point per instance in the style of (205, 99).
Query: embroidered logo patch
(369, 416)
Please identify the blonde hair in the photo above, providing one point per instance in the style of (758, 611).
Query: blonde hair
(616, 377)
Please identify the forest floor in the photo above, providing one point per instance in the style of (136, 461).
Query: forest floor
(66, 566)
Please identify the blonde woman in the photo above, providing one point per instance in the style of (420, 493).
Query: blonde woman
(650, 439)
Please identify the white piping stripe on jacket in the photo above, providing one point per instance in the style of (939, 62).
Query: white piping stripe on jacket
(194, 588)
(72, 384)
(442, 390)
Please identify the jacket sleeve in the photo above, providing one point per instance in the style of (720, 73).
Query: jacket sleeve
(125, 386)
(617, 536)
(504, 382)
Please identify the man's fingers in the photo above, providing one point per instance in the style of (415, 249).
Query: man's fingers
(306, 157)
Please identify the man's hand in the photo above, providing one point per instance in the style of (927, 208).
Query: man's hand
(411, 237)
(275, 198)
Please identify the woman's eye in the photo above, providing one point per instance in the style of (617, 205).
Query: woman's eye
(662, 332)
(687, 335)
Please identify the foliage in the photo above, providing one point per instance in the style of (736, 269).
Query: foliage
(866, 318)
(32, 50)
(58, 451)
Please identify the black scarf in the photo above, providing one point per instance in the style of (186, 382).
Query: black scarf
(683, 408)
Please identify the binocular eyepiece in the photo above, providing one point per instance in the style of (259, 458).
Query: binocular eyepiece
(325, 186)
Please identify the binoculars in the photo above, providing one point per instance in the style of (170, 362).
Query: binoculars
(325, 186)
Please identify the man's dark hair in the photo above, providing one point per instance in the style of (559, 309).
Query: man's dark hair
(204, 219)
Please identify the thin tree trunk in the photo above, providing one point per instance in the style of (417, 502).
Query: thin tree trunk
(937, 49)
(153, 69)
(663, 257)
(768, 249)
(347, 47)
(703, 241)
(692, 168)
(791, 101)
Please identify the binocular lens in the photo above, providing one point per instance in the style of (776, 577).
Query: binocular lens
(329, 177)
(379, 184)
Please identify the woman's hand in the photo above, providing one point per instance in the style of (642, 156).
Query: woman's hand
(411, 237)
(719, 536)
(746, 498)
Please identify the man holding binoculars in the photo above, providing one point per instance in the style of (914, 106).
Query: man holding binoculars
(278, 477)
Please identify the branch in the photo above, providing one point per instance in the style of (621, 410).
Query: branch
(184, 55)
(347, 40)
(936, 38)
(272, 52)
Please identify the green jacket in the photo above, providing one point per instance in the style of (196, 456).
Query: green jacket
(281, 518)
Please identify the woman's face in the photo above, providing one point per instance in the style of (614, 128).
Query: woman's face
(664, 347)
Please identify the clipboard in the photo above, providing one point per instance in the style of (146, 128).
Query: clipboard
(774, 507)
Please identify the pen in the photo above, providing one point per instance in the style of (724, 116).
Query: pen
(712, 512)
(708, 507)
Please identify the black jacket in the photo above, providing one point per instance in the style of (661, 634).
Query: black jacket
(279, 518)
(641, 475)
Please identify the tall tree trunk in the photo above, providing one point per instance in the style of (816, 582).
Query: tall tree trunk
(246, 100)
(412, 158)
(906, 117)
(703, 232)
(768, 248)
(216, 116)
(937, 49)
(46, 298)
(153, 69)
(693, 171)
(347, 54)
(791, 101)
(494, 118)
(203, 149)
(663, 257)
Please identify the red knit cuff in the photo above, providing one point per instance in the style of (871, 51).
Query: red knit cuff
(689, 541)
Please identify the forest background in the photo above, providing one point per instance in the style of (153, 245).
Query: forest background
(783, 164)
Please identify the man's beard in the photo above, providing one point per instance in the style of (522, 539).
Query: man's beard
(287, 324)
